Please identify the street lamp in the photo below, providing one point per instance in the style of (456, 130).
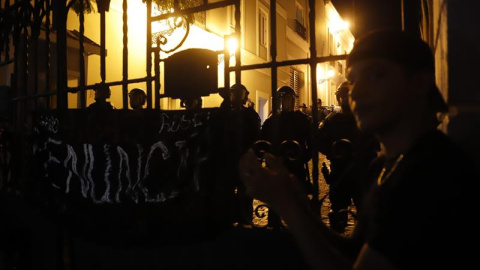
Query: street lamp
(232, 45)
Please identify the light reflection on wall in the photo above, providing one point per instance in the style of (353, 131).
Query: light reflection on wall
(324, 75)
(341, 43)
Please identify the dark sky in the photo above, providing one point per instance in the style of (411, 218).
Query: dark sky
(365, 15)
(344, 7)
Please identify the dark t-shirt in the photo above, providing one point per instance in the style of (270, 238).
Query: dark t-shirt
(423, 215)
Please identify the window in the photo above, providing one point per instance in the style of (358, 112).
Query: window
(263, 32)
(299, 13)
(299, 22)
(263, 28)
(295, 82)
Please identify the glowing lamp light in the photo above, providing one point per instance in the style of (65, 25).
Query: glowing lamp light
(330, 73)
(339, 25)
(324, 75)
(232, 44)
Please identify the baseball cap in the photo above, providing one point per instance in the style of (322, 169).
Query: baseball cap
(407, 50)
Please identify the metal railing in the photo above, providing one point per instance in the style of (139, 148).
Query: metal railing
(24, 23)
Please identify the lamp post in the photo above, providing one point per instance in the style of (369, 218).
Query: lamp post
(102, 7)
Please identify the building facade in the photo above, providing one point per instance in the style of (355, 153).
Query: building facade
(215, 26)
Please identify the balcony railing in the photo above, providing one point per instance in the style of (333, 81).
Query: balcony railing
(300, 29)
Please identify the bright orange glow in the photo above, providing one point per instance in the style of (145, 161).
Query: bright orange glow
(338, 25)
(232, 45)
(324, 74)
(335, 23)
(330, 73)
(136, 15)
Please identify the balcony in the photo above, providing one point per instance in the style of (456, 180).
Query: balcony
(300, 29)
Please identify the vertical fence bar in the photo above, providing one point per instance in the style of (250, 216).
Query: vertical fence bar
(47, 48)
(125, 56)
(149, 54)
(35, 33)
(61, 27)
(156, 61)
(82, 93)
(23, 80)
(16, 58)
(7, 37)
(313, 79)
(238, 36)
(273, 218)
(102, 45)
(226, 63)
(273, 53)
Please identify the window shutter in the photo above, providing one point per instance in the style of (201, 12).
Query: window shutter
(295, 77)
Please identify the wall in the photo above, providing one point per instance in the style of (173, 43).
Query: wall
(289, 46)
(114, 45)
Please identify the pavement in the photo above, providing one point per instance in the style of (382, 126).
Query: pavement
(323, 189)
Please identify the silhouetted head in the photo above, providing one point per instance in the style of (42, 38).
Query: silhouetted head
(303, 107)
(137, 98)
(342, 95)
(102, 92)
(238, 94)
(287, 97)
